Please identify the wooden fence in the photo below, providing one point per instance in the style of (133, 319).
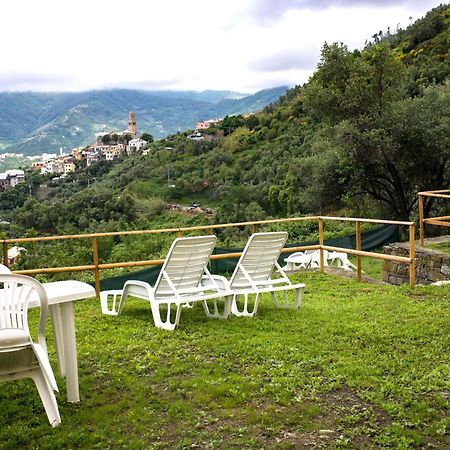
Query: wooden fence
(96, 267)
(443, 221)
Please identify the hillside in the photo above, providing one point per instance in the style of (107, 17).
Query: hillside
(33, 123)
(365, 134)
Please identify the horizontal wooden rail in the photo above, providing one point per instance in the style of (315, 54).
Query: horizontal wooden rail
(380, 221)
(440, 194)
(432, 221)
(437, 218)
(55, 269)
(399, 259)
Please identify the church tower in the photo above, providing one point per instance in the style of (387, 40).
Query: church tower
(132, 126)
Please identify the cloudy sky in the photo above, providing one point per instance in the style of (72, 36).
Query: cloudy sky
(241, 45)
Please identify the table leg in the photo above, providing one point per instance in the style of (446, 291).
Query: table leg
(55, 315)
(70, 352)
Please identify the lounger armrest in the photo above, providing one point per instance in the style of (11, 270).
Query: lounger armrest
(143, 284)
(215, 280)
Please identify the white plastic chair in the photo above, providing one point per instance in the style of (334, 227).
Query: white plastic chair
(253, 274)
(297, 260)
(340, 259)
(310, 259)
(178, 284)
(20, 357)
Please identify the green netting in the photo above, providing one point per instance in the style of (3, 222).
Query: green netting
(369, 239)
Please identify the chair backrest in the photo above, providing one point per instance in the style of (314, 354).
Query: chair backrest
(258, 258)
(184, 265)
(15, 293)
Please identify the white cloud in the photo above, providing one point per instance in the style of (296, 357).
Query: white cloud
(241, 45)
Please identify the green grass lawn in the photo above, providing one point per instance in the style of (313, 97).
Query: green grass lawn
(357, 366)
(443, 247)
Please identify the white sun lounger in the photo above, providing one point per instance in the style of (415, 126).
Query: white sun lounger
(178, 284)
(253, 275)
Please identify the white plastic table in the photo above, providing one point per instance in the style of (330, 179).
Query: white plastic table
(61, 296)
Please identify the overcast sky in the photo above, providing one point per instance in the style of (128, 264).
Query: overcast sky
(241, 45)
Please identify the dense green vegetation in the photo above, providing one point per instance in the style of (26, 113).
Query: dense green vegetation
(354, 367)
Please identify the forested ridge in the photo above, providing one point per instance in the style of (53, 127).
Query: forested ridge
(367, 132)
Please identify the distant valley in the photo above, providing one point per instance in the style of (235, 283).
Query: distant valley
(32, 123)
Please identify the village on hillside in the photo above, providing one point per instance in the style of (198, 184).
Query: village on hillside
(107, 146)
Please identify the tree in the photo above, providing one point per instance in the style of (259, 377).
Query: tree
(147, 137)
(391, 145)
(230, 123)
(106, 138)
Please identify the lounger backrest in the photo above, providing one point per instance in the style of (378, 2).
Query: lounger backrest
(184, 265)
(258, 258)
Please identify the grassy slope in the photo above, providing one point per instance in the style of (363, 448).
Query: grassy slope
(367, 363)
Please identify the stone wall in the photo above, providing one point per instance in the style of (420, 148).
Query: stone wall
(431, 265)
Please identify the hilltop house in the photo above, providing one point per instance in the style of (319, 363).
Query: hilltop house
(11, 178)
(69, 165)
(205, 124)
(134, 145)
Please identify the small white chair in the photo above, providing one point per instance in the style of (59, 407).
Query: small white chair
(20, 357)
(178, 284)
(310, 259)
(297, 260)
(253, 274)
(340, 259)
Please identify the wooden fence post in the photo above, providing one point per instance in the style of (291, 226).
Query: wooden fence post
(322, 263)
(358, 247)
(5, 254)
(96, 263)
(412, 266)
(421, 218)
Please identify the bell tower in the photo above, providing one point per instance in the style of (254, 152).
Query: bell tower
(132, 126)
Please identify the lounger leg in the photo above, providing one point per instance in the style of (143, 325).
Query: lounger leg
(245, 312)
(122, 300)
(167, 325)
(217, 314)
(275, 300)
(298, 295)
(104, 301)
(285, 304)
(47, 396)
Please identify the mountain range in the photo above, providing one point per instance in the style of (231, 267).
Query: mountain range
(32, 123)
